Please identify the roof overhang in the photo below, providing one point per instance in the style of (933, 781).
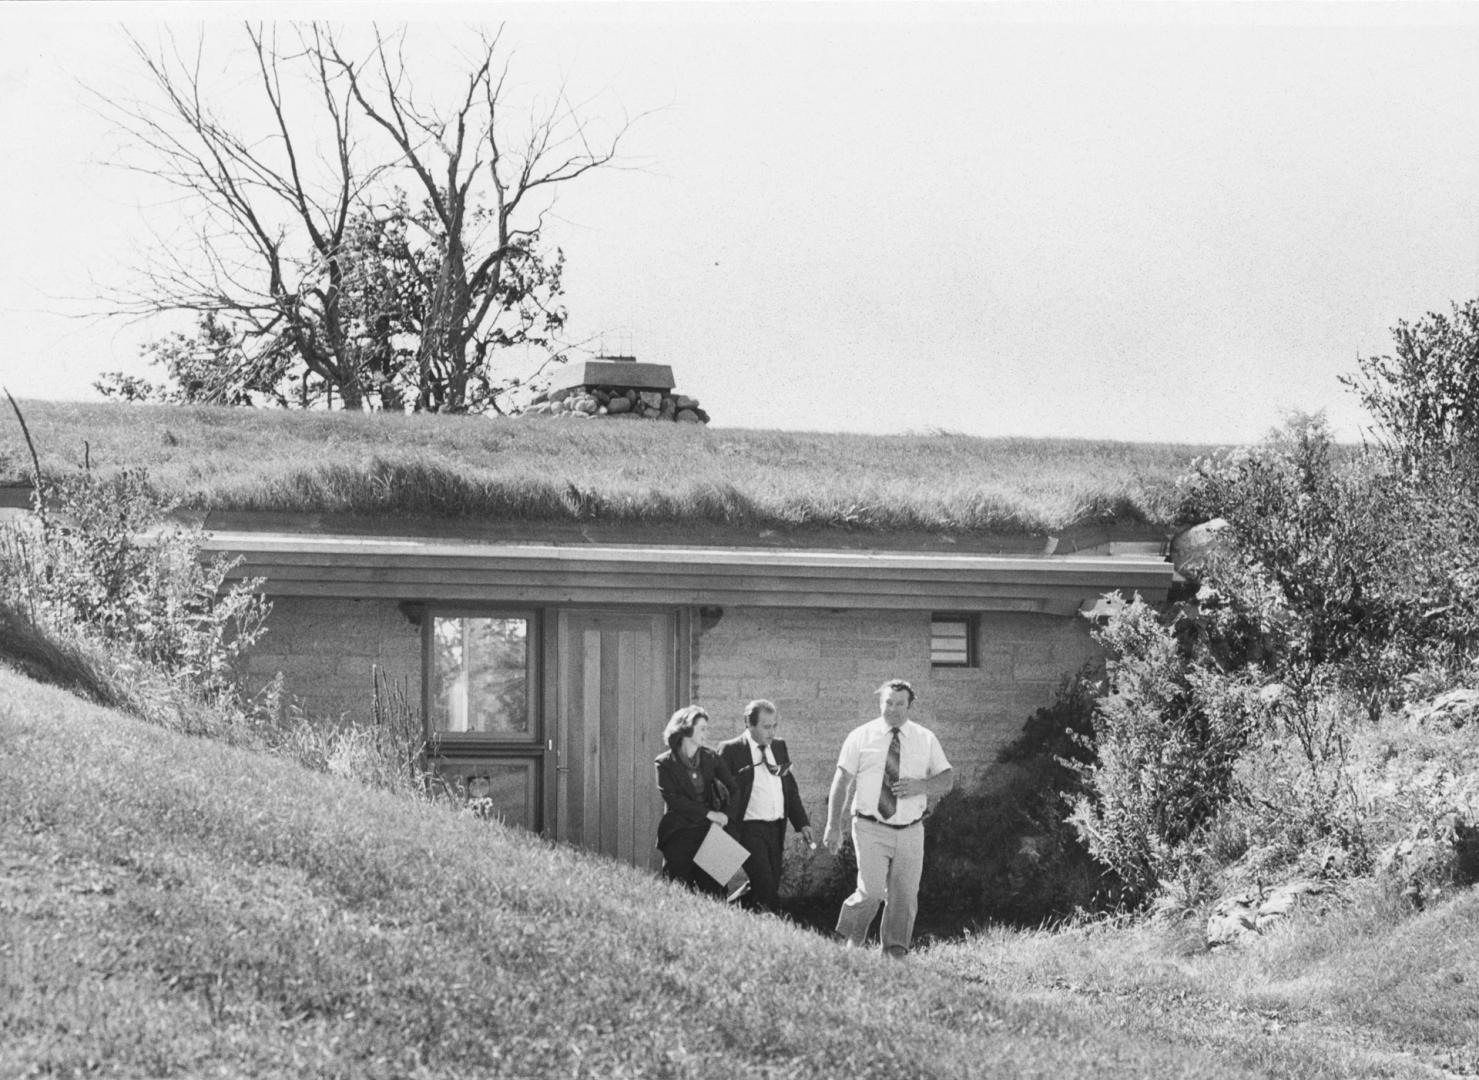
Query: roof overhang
(437, 571)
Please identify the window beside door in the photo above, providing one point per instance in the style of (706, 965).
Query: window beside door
(481, 699)
(480, 672)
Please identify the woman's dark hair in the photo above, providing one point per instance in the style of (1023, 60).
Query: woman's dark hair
(680, 727)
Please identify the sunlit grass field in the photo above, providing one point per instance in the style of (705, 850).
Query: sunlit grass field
(458, 467)
(173, 906)
(1357, 976)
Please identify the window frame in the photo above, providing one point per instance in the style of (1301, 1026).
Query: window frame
(455, 771)
(450, 743)
(972, 634)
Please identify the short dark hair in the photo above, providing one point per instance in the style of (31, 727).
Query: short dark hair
(680, 725)
(895, 684)
(755, 708)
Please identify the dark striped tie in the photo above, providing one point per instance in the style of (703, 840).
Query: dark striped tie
(887, 801)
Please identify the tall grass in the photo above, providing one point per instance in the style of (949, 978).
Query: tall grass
(631, 473)
(382, 749)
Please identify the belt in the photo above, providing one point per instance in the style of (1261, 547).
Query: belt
(889, 824)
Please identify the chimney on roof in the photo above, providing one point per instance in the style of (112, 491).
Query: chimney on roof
(617, 387)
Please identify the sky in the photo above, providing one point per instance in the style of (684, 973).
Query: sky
(1171, 222)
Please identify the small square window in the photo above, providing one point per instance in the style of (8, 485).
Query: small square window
(952, 641)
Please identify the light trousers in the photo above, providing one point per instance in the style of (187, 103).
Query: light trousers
(890, 862)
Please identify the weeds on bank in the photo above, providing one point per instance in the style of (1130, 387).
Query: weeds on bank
(99, 593)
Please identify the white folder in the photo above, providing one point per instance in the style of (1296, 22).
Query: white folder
(720, 855)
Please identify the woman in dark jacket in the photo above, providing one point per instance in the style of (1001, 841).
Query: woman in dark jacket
(696, 786)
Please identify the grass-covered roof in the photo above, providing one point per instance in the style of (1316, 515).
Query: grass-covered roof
(436, 469)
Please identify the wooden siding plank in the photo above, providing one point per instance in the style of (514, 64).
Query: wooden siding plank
(590, 719)
(649, 691)
(610, 675)
(625, 721)
(661, 691)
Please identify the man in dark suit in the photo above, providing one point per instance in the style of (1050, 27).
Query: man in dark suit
(767, 798)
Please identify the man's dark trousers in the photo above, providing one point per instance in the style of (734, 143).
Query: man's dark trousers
(766, 842)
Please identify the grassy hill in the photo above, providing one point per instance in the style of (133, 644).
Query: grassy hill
(178, 907)
(449, 467)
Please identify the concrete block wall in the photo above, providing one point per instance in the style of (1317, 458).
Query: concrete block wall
(327, 650)
(821, 668)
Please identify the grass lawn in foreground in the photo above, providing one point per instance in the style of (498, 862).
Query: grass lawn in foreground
(633, 473)
(178, 907)
(1357, 974)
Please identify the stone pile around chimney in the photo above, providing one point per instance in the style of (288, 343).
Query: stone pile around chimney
(617, 388)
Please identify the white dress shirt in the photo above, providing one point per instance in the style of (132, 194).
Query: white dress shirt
(865, 753)
(767, 797)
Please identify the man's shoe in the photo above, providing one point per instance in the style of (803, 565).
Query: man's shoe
(738, 891)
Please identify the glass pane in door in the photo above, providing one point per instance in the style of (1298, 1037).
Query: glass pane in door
(501, 789)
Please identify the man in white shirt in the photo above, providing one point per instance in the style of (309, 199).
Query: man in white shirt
(892, 767)
(767, 798)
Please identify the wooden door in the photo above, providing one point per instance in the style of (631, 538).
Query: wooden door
(615, 690)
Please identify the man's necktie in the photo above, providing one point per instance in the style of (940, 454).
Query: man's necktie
(887, 801)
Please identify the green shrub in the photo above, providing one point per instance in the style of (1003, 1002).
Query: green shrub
(1354, 581)
(1350, 584)
(1166, 739)
(1425, 399)
(1354, 573)
(1296, 807)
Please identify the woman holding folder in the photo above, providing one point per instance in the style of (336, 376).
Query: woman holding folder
(696, 786)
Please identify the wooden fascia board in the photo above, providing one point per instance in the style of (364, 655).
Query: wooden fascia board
(683, 581)
(542, 573)
(316, 551)
(544, 595)
(330, 567)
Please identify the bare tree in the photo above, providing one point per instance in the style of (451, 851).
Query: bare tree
(305, 246)
(472, 174)
(267, 235)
